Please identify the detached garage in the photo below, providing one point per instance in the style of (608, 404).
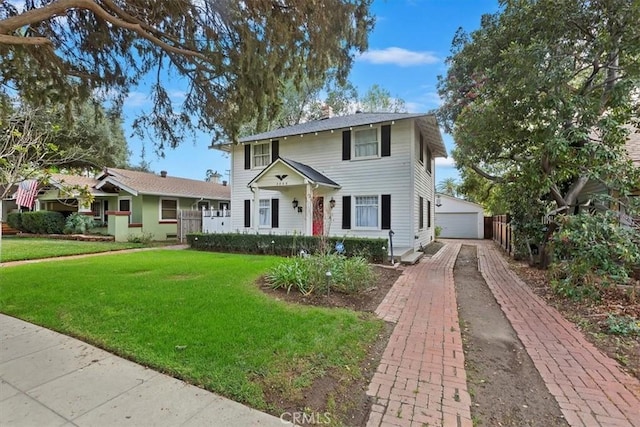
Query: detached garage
(458, 218)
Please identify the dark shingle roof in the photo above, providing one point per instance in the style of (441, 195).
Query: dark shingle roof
(309, 172)
(305, 170)
(338, 122)
(147, 183)
(426, 122)
(150, 183)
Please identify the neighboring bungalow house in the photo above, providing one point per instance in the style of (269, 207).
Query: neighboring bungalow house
(361, 175)
(586, 199)
(131, 202)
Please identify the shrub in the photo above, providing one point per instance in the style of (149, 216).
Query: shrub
(623, 325)
(591, 252)
(309, 274)
(144, 238)
(42, 222)
(78, 224)
(374, 250)
(14, 220)
(438, 231)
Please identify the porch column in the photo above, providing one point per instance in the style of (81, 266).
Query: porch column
(256, 209)
(308, 210)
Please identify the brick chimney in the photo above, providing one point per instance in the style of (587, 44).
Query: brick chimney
(327, 112)
(163, 174)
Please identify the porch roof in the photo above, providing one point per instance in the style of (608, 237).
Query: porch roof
(306, 172)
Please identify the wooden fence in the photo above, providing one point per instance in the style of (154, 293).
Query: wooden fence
(189, 221)
(502, 233)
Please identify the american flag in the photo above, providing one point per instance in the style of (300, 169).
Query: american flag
(26, 194)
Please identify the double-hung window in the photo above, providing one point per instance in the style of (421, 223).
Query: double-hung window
(96, 208)
(366, 209)
(265, 213)
(366, 142)
(168, 209)
(261, 155)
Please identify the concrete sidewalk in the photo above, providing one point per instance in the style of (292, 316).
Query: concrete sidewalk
(49, 379)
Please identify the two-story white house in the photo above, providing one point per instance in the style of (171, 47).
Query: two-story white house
(361, 175)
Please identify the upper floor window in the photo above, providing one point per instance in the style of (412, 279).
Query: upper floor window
(366, 211)
(261, 155)
(168, 209)
(366, 142)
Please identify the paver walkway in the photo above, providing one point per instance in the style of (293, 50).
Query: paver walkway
(589, 386)
(421, 379)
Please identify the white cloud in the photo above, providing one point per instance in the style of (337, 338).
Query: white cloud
(415, 107)
(137, 99)
(398, 56)
(445, 162)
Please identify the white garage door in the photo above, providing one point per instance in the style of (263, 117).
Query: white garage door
(458, 225)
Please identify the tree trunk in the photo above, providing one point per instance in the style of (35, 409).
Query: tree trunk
(545, 256)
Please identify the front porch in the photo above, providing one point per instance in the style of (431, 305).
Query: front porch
(309, 193)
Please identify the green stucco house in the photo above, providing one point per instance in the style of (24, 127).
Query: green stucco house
(128, 203)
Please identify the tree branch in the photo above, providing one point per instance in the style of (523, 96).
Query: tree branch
(60, 7)
(486, 175)
(24, 41)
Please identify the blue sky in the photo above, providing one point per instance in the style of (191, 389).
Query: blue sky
(407, 51)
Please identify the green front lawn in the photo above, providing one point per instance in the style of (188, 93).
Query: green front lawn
(195, 315)
(21, 248)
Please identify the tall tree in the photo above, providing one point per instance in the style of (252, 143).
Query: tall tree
(313, 100)
(27, 148)
(448, 186)
(540, 100)
(97, 132)
(235, 56)
(378, 99)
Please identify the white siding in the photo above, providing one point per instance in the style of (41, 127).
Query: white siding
(424, 187)
(460, 218)
(384, 175)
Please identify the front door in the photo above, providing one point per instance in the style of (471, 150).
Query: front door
(318, 216)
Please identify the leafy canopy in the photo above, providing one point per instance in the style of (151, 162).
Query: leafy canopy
(541, 100)
(234, 56)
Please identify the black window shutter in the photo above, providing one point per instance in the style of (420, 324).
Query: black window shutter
(421, 214)
(275, 150)
(274, 212)
(386, 141)
(421, 148)
(247, 213)
(428, 160)
(386, 211)
(346, 145)
(429, 213)
(346, 212)
(247, 156)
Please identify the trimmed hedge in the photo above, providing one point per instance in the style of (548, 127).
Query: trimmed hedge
(374, 250)
(40, 222)
(14, 220)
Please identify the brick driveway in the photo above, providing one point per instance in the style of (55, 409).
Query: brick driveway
(421, 378)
